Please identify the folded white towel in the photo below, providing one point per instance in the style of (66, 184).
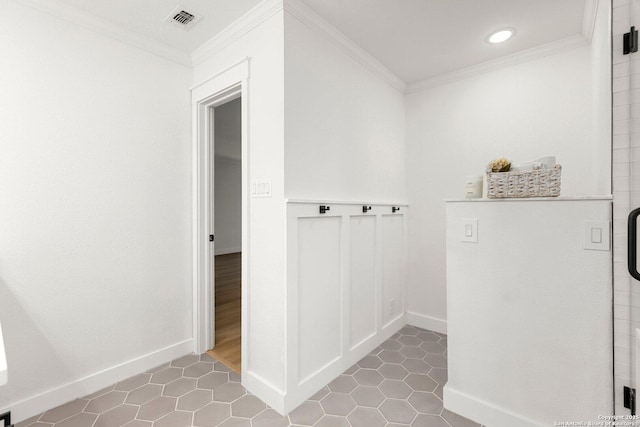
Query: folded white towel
(528, 166)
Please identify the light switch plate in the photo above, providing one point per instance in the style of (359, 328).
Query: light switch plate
(469, 230)
(597, 235)
(261, 188)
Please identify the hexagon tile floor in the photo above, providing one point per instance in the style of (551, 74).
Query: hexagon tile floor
(397, 384)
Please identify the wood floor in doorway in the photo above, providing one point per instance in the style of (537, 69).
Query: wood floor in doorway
(228, 309)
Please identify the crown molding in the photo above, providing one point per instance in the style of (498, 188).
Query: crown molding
(79, 17)
(243, 25)
(558, 46)
(311, 19)
(589, 19)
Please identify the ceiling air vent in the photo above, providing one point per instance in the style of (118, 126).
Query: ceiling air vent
(183, 18)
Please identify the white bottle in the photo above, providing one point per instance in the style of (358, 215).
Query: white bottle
(473, 187)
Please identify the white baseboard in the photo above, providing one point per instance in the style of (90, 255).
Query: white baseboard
(264, 390)
(91, 383)
(483, 412)
(297, 394)
(275, 398)
(284, 403)
(225, 251)
(427, 322)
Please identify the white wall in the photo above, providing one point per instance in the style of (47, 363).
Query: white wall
(534, 109)
(228, 178)
(264, 368)
(601, 100)
(344, 126)
(95, 257)
(228, 205)
(228, 129)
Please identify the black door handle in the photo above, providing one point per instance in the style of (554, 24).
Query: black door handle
(632, 237)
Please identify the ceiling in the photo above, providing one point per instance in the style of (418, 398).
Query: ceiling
(419, 39)
(415, 39)
(146, 17)
(228, 130)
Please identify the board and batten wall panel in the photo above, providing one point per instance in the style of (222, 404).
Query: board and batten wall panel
(393, 266)
(318, 293)
(362, 279)
(335, 283)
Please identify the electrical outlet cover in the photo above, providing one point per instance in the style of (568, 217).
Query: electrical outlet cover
(597, 235)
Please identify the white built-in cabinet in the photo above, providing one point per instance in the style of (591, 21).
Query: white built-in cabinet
(346, 287)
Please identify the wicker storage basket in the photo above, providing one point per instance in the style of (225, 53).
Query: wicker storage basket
(531, 183)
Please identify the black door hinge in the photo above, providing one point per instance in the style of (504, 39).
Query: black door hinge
(630, 399)
(211, 237)
(6, 417)
(630, 41)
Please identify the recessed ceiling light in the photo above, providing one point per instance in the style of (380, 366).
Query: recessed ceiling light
(501, 35)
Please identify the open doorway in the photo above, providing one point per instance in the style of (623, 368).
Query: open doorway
(226, 222)
(215, 91)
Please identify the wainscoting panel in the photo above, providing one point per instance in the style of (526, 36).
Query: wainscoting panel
(362, 279)
(344, 273)
(318, 293)
(393, 267)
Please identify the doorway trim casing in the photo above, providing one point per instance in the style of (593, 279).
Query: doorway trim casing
(219, 88)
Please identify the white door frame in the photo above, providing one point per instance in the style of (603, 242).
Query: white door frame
(218, 89)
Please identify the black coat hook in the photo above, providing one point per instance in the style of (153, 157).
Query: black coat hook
(395, 209)
(324, 209)
(366, 209)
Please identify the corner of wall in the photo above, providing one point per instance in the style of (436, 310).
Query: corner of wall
(427, 322)
(81, 387)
